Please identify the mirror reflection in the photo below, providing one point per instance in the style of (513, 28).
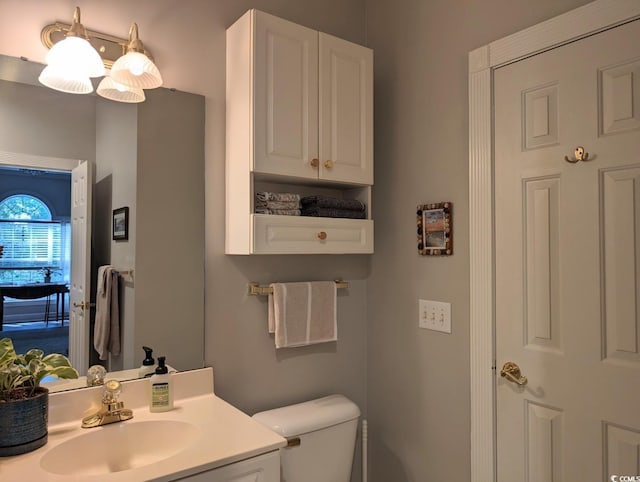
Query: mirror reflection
(147, 158)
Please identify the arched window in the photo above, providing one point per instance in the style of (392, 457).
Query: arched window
(23, 206)
(30, 239)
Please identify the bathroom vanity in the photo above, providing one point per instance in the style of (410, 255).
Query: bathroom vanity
(202, 439)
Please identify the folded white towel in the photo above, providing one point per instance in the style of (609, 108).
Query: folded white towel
(303, 313)
(106, 335)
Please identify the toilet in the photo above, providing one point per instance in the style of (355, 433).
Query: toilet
(321, 435)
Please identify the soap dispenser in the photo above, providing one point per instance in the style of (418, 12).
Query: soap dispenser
(148, 367)
(161, 388)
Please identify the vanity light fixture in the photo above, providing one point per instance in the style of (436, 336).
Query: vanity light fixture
(122, 84)
(135, 68)
(72, 61)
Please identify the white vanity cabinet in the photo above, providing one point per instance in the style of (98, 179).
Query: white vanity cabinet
(264, 468)
(299, 112)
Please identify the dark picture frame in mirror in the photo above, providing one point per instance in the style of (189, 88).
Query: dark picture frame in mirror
(121, 224)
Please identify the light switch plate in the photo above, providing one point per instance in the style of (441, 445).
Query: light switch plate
(434, 315)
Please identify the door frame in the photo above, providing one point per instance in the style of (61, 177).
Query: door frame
(32, 161)
(568, 27)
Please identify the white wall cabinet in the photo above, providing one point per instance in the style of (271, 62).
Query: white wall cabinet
(264, 468)
(299, 113)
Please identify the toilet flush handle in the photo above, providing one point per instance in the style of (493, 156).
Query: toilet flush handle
(293, 442)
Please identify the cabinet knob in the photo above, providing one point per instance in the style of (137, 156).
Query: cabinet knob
(322, 235)
(328, 164)
(314, 163)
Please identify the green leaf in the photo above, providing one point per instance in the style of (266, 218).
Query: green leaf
(33, 353)
(57, 360)
(64, 372)
(7, 352)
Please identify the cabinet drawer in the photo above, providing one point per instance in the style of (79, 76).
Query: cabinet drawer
(309, 235)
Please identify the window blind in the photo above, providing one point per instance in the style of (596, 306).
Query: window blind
(30, 244)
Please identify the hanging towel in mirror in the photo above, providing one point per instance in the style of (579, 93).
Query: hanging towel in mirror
(106, 336)
(303, 313)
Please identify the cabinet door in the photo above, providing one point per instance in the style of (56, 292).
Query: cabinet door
(264, 468)
(346, 111)
(286, 97)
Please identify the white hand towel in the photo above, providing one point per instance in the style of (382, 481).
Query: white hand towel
(303, 313)
(106, 335)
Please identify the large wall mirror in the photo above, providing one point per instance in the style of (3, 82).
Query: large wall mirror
(147, 157)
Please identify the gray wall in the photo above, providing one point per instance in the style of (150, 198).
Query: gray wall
(43, 122)
(169, 278)
(418, 380)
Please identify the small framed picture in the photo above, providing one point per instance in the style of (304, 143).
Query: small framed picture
(435, 229)
(121, 224)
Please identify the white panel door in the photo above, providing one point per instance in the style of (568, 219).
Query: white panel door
(286, 97)
(568, 261)
(79, 296)
(346, 111)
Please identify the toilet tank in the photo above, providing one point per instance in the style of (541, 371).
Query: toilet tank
(321, 435)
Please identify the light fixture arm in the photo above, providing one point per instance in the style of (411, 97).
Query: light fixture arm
(77, 29)
(135, 44)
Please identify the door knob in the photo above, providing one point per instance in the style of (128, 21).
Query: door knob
(328, 164)
(511, 372)
(314, 163)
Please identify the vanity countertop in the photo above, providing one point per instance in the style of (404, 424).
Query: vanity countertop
(220, 435)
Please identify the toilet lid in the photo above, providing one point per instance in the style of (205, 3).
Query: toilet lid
(309, 416)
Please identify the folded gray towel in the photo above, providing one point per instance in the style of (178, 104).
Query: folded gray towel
(332, 202)
(282, 212)
(277, 204)
(265, 196)
(333, 213)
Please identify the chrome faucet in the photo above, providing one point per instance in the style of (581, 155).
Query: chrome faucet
(111, 411)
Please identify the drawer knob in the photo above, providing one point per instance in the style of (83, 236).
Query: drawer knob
(314, 163)
(322, 235)
(328, 164)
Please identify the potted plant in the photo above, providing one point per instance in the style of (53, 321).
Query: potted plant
(23, 402)
(47, 271)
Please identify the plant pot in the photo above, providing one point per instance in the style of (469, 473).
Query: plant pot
(23, 423)
(47, 278)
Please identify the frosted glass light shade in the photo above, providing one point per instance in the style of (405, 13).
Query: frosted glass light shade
(76, 53)
(136, 70)
(65, 80)
(109, 89)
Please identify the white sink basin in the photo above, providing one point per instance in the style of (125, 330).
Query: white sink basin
(119, 446)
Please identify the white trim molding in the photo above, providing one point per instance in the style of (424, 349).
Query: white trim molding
(579, 23)
(37, 162)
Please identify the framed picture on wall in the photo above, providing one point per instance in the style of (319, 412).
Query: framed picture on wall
(435, 229)
(121, 224)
